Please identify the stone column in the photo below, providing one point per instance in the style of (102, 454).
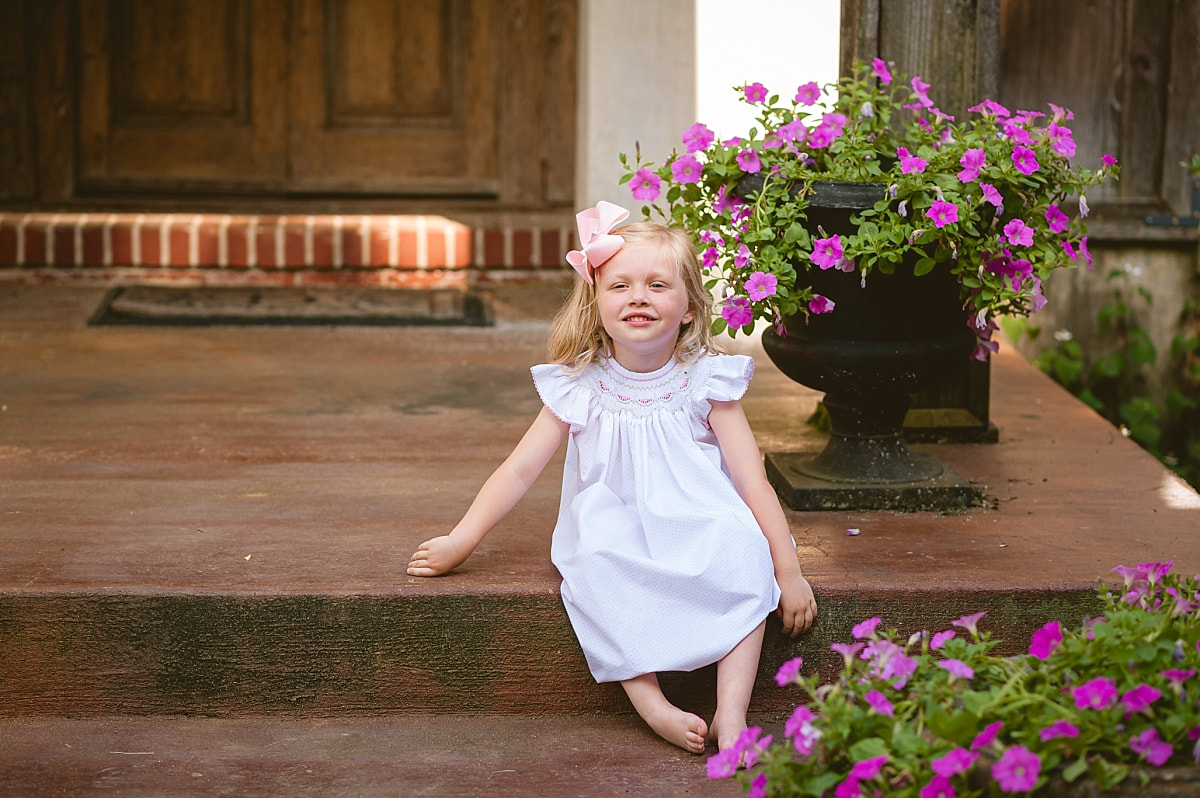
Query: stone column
(637, 84)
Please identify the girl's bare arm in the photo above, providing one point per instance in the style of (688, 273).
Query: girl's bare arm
(499, 494)
(797, 606)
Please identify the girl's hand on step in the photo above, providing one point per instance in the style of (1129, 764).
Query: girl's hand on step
(437, 556)
(797, 605)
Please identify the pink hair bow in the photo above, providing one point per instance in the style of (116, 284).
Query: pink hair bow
(595, 234)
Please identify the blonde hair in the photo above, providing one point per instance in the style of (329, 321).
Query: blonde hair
(577, 336)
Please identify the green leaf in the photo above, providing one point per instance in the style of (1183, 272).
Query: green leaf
(924, 266)
(957, 728)
(794, 233)
(868, 749)
(1075, 770)
(1141, 348)
(819, 785)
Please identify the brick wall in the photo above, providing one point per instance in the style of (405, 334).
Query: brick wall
(216, 249)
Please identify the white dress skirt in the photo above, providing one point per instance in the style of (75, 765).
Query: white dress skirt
(664, 567)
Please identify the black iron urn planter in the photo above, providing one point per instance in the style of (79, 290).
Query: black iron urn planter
(886, 339)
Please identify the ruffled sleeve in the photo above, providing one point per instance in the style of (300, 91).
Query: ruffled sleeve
(728, 378)
(562, 393)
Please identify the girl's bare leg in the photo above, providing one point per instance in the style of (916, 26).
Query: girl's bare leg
(668, 721)
(735, 681)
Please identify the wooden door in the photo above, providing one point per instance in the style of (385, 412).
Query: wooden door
(182, 95)
(395, 97)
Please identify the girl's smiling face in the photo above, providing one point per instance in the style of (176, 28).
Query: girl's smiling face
(642, 302)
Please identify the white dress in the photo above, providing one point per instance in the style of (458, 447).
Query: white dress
(664, 567)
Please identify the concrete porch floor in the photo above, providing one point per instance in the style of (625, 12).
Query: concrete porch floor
(216, 522)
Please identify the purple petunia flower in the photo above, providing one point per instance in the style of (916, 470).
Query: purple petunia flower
(1140, 698)
(686, 169)
(1108, 159)
(941, 638)
(788, 671)
(723, 764)
(741, 257)
(758, 787)
(880, 68)
(985, 737)
(879, 703)
(990, 194)
(971, 162)
(1056, 219)
(1062, 141)
(921, 90)
(968, 622)
(942, 213)
(1017, 770)
(698, 137)
(800, 729)
(957, 669)
(1060, 728)
(747, 161)
(755, 92)
(868, 768)
(848, 650)
(866, 628)
(1045, 640)
(910, 163)
(989, 108)
(1025, 160)
(761, 285)
(953, 762)
(737, 312)
(1099, 693)
(827, 252)
(645, 185)
(938, 787)
(1154, 749)
(1018, 233)
(807, 94)
(821, 304)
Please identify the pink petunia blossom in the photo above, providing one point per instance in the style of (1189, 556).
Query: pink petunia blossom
(737, 312)
(1060, 728)
(1148, 744)
(879, 703)
(1025, 160)
(1139, 698)
(880, 68)
(1108, 159)
(938, 787)
(1083, 250)
(848, 650)
(761, 285)
(941, 638)
(755, 92)
(953, 762)
(848, 789)
(724, 202)
(990, 194)
(827, 252)
(747, 161)
(800, 729)
(807, 94)
(723, 764)
(822, 136)
(1018, 233)
(1056, 219)
(821, 304)
(942, 213)
(971, 162)
(741, 257)
(869, 768)
(1062, 141)
(698, 137)
(686, 169)
(969, 622)
(758, 787)
(957, 669)
(989, 108)
(710, 257)
(987, 736)
(1017, 770)
(1045, 640)
(910, 163)
(866, 628)
(921, 90)
(1016, 132)
(793, 131)
(1099, 693)
(1177, 677)
(788, 671)
(646, 185)
(1061, 113)
(736, 141)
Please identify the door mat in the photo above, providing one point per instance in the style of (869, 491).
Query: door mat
(156, 305)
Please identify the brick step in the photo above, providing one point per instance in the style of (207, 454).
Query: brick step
(214, 249)
(428, 651)
(463, 756)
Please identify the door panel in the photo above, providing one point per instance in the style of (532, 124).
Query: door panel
(394, 97)
(182, 93)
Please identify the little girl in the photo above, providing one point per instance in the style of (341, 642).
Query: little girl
(671, 543)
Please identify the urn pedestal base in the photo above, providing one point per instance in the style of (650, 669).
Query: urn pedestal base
(790, 473)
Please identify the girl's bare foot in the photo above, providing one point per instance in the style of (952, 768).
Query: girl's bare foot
(684, 729)
(668, 721)
(726, 732)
